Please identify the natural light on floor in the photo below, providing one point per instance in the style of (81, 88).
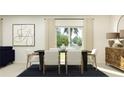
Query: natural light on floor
(110, 71)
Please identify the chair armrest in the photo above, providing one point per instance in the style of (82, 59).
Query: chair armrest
(89, 52)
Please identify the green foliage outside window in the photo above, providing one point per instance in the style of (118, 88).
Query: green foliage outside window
(62, 39)
(77, 40)
(71, 38)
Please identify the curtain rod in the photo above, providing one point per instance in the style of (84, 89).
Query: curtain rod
(69, 18)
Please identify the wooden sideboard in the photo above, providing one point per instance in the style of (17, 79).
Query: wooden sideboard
(115, 57)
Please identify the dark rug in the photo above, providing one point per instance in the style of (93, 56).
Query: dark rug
(73, 71)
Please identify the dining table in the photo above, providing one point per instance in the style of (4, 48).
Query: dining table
(42, 52)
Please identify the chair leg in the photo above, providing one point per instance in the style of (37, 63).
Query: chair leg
(27, 61)
(81, 69)
(95, 62)
(66, 69)
(58, 69)
(27, 65)
(30, 63)
(39, 67)
(59, 64)
(81, 66)
(43, 69)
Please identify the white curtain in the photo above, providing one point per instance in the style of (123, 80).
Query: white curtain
(0, 32)
(88, 29)
(50, 33)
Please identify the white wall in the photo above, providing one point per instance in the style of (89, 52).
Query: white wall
(20, 52)
(114, 22)
(101, 27)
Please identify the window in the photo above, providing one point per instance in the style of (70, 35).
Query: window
(70, 33)
(70, 36)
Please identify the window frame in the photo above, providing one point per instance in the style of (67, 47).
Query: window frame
(69, 37)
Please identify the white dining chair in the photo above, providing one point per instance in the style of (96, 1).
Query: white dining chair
(92, 57)
(32, 58)
(51, 57)
(74, 58)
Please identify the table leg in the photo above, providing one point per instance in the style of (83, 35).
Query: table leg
(41, 59)
(84, 57)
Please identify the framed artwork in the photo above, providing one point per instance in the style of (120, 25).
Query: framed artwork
(23, 34)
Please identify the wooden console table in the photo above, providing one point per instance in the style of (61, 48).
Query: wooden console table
(84, 57)
(115, 57)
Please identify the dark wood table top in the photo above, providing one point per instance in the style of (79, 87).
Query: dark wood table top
(60, 51)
